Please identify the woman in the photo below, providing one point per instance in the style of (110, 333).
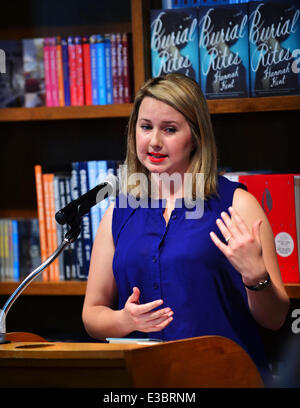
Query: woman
(156, 272)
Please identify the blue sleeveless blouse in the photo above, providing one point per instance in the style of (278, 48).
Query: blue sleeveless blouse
(180, 264)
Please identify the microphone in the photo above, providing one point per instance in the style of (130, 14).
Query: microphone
(82, 205)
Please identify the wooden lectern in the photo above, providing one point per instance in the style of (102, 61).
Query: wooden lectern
(208, 361)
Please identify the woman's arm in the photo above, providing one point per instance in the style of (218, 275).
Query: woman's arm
(251, 250)
(99, 318)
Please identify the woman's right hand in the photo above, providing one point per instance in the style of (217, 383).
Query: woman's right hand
(143, 317)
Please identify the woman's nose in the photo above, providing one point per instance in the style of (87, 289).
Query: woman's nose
(156, 141)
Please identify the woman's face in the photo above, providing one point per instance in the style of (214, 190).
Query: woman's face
(163, 138)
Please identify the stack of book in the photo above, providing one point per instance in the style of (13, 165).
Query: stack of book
(67, 71)
(279, 196)
(19, 248)
(232, 50)
(54, 192)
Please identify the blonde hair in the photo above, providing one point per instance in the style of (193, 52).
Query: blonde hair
(184, 95)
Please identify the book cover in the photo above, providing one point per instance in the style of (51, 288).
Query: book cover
(53, 71)
(87, 74)
(108, 70)
(41, 216)
(33, 66)
(79, 70)
(47, 185)
(60, 72)
(86, 230)
(174, 42)
(274, 39)
(120, 68)
(66, 71)
(93, 182)
(94, 77)
(126, 67)
(100, 66)
(114, 67)
(224, 51)
(72, 249)
(276, 195)
(72, 71)
(75, 193)
(12, 80)
(15, 244)
(49, 101)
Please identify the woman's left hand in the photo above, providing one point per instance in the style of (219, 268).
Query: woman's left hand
(243, 248)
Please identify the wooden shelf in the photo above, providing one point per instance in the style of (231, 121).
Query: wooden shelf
(218, 106)
(271, 103)
(68, 288)
(77, 288)
(65, 112)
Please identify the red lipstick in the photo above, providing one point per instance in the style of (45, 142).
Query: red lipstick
(156, 157)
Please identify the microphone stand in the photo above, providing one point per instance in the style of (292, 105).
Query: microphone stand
(70, 215)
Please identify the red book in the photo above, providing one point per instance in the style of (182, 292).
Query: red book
(79, 70)
(60, 75)
(276, 194)
(120, 67)
(126, 68)
(53, 71)
(87, 75)
(72, 71)
(49, 101)
(114, 69)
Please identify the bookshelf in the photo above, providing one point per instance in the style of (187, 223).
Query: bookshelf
(27, 125)
(77, 288)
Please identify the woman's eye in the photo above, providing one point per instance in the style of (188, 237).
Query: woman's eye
(170, 130)
(146, 127)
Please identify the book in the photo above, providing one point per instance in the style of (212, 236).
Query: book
(79, 70)
(174, 42)
(100, 69)
(114, 68)
(12, 80)
(72, 71)
(33, 68)
(60, 72)
(41, 216)
(53, 71)
(108, 69)
(278, 194)
(94, 77)
(126, 67)
(66, 71)
(224, 51)
(87, 74)
(274, 39)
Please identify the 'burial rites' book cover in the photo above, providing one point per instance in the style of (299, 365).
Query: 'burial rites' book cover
(174, 42)
(274, 38)
(224, 51)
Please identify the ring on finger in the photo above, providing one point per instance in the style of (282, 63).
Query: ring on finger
(227, 239)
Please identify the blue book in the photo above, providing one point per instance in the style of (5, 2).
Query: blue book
(95, 210)
(101, 74)
(108, 69)
(94, 78)
(274, 38)
(15, 245)
(102, 174)
(66, 74)
(224, 51)
(174, 42)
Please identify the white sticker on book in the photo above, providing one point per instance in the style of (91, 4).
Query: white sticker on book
(284, 244)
